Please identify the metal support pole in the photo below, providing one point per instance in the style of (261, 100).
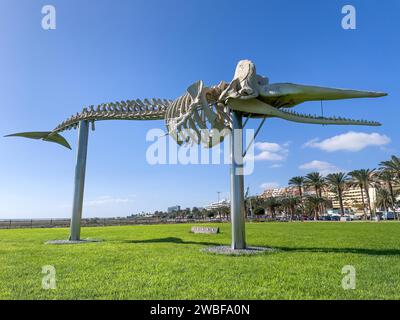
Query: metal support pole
(237, 185)
(79, 187)
(255, 136)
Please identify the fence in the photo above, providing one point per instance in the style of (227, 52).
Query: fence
(90, 222)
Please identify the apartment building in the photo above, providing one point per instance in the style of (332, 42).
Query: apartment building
(352, 196)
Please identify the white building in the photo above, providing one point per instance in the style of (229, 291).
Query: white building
(174, 209)
(218, 205)
(353, 199)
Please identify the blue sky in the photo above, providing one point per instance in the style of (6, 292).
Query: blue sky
(103, 51)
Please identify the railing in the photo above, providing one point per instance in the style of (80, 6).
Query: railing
(104, 222)
(90, 222)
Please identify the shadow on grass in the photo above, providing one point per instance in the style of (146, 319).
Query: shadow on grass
(366, 251)
(172, 240)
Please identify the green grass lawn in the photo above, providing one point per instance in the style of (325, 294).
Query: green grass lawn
(165, 262)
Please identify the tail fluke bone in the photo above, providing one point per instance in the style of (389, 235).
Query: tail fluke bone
(45, 136)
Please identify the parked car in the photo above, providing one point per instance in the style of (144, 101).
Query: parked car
(282, 218)
(388, 215)
(345, 218)
(335, 217)
(325, 218)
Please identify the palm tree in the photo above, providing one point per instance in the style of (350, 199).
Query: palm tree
(363, 178)
(314, 203)
(204, 213)
(338, 182)
(387, 177)
(317, 181)
(299, 183)
(383, 199)
(290, 204)
(392, 165)
(271, 204)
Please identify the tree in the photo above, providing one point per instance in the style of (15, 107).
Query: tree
(187, 212)
(196, 212)
(363, 178)
(290, 204)
(392, 165)
(316, 181)
(299, 183)
(383, 199)
(271, 204)
(226, 211)
(252, 201)
(259, 211)
(204, 213)
(338, 181)
(387, 178)
(313, 204)
(173, 214)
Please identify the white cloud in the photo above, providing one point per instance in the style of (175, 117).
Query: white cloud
(269, 185)
(268, 146)
(322, 167)
(270, 151)
(269, 156)
(350, 141)
(276, 165)
(104, 200)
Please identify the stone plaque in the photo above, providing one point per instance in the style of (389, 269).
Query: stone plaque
(205, 230)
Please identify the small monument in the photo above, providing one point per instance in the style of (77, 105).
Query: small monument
(208, 230)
